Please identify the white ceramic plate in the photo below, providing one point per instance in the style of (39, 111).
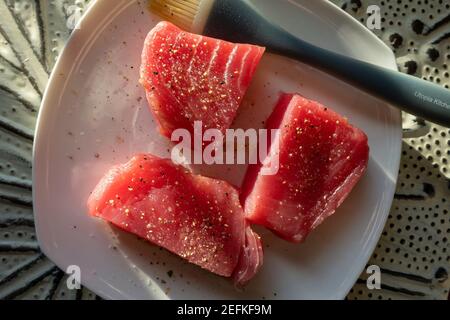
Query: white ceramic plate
(94, 115)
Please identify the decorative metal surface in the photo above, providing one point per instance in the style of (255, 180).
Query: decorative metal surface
(32, 34)
(413, 252)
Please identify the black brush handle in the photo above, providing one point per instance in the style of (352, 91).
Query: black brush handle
(240, 21)
(416, 96)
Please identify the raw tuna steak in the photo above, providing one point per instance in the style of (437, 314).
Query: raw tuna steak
(189, 77)
(321, 159)
(198, 218)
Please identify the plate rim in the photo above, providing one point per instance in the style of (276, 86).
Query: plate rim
(53, 84)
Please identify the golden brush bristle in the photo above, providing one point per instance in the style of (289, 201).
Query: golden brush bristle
(180, 12)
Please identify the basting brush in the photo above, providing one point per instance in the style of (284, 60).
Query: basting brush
(240, 21)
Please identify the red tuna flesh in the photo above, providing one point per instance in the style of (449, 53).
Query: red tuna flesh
(195, 217)
(321, 158)
(189, 77)
(251, 258)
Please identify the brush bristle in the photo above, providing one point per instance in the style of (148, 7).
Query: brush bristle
(180, 12)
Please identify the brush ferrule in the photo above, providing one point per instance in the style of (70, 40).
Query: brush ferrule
(204, 9)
